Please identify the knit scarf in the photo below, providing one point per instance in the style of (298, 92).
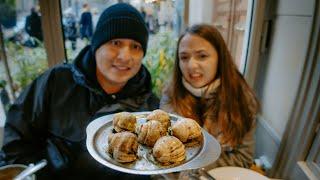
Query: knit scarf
(205, 92)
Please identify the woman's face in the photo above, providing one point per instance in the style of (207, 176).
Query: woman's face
(198, 60)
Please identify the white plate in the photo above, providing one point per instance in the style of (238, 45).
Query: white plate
(196, 157)
(235, 173)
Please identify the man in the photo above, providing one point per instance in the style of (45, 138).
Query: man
(86, 27)
(33, 25)
(49, 119)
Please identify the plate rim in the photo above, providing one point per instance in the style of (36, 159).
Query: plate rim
(99, 122)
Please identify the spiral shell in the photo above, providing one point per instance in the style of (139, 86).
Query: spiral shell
(123, 146)
(124, 121)
(161, 116)
(187, 131)
(169, 150)
(150, 132)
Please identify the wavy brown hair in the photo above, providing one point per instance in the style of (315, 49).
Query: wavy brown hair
(235, 105)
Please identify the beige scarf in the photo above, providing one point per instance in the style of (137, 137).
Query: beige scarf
(206, 91)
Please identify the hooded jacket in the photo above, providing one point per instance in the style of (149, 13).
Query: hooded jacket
(49, 119)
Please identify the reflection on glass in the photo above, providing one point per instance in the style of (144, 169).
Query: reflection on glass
(229, 16)
(79, 19)
(23, 41)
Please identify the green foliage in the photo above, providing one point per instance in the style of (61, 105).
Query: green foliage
(9, 2)
(26, 63)
(159, 59)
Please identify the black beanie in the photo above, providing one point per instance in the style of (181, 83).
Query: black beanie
(120, 21)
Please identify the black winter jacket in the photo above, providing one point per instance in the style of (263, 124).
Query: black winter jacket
(49, 119)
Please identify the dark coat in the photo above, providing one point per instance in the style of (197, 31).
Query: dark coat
(50, 117)
(86, 26)
(33, 26)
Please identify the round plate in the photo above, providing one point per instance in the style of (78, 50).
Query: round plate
(231, 173)
(196, 157)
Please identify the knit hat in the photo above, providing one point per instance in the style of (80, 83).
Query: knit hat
(120, 21)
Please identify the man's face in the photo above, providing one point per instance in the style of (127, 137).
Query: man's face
(118, 60)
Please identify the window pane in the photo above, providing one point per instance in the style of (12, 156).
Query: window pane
(230, 17)
(23, 41)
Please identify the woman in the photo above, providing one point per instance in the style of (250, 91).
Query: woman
(208, 88)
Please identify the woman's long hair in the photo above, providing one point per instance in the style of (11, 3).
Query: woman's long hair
(235, 105)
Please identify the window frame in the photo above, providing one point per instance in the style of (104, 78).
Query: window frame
(253, 51)
(313, 159)
(52, 31)
(52, 34)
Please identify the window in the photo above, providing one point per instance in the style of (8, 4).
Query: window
(232, 18)
(22, 39)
